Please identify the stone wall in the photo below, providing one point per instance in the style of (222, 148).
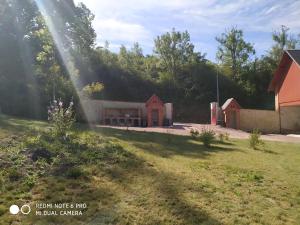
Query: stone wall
(266, 121)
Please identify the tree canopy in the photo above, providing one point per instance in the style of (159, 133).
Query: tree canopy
(48, 50)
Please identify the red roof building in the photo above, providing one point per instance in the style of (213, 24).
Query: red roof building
(286, 86)
(286, 80)
(231, 111)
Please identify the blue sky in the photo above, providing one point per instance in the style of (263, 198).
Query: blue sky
(127, 21)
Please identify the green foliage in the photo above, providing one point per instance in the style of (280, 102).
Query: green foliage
(234, 52)
(49, 68)
(28, 43)
(207, 137)
(175, 49)
(30, 181)
(61, 118)
(255, 140)
(194, 133)
(226, 136)
(92, 89)
(283, 41)
(223, 137)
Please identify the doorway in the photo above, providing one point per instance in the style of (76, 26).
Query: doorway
(233, 119)
(154, 115)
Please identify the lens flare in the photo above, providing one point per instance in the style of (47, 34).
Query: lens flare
(54, 22)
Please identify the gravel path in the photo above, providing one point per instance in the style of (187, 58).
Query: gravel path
(184, 129)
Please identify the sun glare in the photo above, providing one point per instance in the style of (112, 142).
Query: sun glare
(53, 22)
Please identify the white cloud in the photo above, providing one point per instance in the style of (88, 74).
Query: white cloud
(272, 9)
(116, 30)
(126, 21)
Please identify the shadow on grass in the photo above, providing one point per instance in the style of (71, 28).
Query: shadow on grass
(164, 198)
(114, 187)
(267, 151)
(224, 143)
(165, 145)
(19, 125)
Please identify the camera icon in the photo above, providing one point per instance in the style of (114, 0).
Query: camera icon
(14, 209)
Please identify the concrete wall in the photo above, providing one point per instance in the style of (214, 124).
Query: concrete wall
(94, 108)
(266, 121)
(290, 119)
(124, 105)
(168, 108)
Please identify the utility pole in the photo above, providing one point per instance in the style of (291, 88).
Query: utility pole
(218, 94)
(218, 97)
(218, 91)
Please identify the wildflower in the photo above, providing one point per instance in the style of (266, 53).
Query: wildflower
(60, 103)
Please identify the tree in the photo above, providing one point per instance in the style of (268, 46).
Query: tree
(234, 52)
(92, 90)
(27, 41)
(175, 50)
(18, 94)
(283, 41)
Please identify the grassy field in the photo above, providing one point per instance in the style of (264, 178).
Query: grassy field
(126, 177)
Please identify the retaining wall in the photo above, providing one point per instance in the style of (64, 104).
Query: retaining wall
(266, 121)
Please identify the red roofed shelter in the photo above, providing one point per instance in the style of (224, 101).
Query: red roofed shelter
(155, 111)
(231, 111)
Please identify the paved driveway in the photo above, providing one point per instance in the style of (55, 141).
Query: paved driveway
(184, 129)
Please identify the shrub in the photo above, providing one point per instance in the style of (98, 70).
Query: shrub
(207, 137)
(255, 140)
(223, 137)
(61, 118)
(226, 136)
(194, 133)
(30, 181)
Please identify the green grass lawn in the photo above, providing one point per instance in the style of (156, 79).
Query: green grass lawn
(128, 177)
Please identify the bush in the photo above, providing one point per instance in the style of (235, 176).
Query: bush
(255, 140)
(207, 137)
(223, 137)
(30, 181)
(61, 118)
(226, 136)
(194, 133)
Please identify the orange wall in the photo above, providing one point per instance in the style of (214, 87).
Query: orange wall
(289, 92)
